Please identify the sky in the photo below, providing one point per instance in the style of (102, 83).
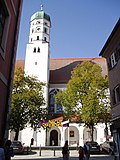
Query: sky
(79, 28)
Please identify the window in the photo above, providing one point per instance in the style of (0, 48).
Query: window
(45, 30)
(39, 49)
(2, 21)
(44, 38)
(54, 108)
(116, 94)
(34, 50)
(37, 37)
(4, 26)
(35, 63)
(113, 60)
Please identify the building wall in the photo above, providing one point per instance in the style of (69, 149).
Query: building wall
(43, 138)
(8, 43)
(113, 72)
(111, 51)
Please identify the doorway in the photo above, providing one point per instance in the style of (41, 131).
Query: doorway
(53, 138)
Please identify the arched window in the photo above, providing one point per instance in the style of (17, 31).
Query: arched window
(34, 50)
(37, 37)
(38, 49)
(45, 30)
(54, 108)
(45, 39)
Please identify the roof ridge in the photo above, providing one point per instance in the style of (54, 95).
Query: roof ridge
(93, 58)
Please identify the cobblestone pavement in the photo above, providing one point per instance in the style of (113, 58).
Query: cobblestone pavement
(51, 155)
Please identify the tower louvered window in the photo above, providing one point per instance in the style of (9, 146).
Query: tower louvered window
(38, 49)
(37, 37)
(34, 50)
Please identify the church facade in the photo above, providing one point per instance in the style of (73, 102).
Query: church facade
(56, 72)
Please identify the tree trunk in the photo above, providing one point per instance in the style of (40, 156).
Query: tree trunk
(106, 132)
(92, 132)
(16, 134)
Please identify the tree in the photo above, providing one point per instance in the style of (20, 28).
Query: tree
(83, 94)
(27, 102)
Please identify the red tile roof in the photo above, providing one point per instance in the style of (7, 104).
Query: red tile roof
(20, 64)
(60, 68)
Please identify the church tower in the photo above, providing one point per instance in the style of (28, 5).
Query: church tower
(38, 48)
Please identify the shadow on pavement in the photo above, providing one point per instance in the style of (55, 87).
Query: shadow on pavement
(71, 158)
(26, 153)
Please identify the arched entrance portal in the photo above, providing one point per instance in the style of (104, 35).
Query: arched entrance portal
(73, 135)
(53, 138)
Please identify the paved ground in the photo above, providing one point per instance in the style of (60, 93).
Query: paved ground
(51, 155)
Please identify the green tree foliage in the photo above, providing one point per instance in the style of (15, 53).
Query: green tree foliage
(27, 102)
(86, 95)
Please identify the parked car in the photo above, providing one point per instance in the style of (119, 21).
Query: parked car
(107, 146)
(18, 147)
(94, 146)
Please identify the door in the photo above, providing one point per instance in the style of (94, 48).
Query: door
(53, 138)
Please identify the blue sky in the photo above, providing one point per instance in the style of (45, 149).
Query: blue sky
(80, 28)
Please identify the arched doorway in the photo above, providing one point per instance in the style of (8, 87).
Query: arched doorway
(53, 138)
(73, 135)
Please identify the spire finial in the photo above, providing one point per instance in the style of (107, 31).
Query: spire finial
(41, 7)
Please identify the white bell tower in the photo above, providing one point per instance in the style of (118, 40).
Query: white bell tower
(38, 48)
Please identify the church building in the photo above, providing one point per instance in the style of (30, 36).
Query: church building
(56, 72)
